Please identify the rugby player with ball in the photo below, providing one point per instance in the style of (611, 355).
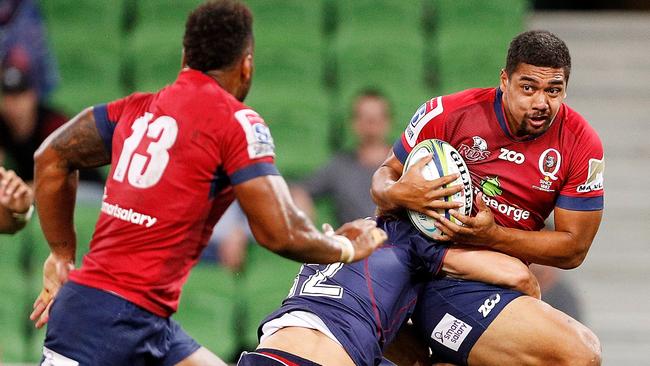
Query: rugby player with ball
(529, 154)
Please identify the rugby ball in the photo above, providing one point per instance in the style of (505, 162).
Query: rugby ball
(446, 160)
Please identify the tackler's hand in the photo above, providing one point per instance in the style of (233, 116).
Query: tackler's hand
(358, 238)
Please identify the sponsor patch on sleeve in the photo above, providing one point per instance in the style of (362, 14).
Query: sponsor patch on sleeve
(422, 116)
(258, 135)
(594, 177)
(451, 332)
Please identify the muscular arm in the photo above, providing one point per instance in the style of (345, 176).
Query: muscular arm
(476, 264)
(565, 247)
(281, 227)
(75, 145)
(391, 190)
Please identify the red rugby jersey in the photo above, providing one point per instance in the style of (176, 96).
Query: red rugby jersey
(522, 179)
(175, 155)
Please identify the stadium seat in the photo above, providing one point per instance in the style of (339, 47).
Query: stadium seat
(85, 37)
(380, 44)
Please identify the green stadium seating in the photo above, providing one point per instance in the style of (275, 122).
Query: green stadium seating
(287, 89)
(85, 38)
(363, 43)
(155, 43)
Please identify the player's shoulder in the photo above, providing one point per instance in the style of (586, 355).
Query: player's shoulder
(468, 97)
(578, 127)
(446, 104)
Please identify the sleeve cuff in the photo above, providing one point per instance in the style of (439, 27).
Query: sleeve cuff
(581, 203)
(104, 126)
(399, 151)
(253, 171)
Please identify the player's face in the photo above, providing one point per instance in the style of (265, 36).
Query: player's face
(532, 96)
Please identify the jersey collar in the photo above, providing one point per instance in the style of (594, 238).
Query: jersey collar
(503, 122)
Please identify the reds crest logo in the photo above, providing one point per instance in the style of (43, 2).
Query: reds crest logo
(477, 152)
(549, 163)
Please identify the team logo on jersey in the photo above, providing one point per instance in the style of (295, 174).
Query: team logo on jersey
(595, 176)
(451, 332)
(425, 113)
(258, 135)
(478, 150)
(549, 163)
(491, 186)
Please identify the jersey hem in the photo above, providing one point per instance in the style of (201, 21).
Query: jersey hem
(130, 296)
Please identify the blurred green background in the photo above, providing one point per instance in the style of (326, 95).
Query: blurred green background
(311, 57)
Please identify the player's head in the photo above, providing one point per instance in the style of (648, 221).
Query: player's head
(534, 81)
(371, 115)
(219, 40)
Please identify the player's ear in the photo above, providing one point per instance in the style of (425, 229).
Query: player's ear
(183, 61)
(503, 79)
(247, 66)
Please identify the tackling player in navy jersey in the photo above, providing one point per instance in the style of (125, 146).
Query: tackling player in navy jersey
(345, 315)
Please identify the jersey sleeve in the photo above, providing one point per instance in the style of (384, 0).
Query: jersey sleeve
(426, 123)
(107, 116)
(248, 152)
(583, 190)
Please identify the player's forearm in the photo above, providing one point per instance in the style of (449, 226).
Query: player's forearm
(295, 238)
(383, 189)
(551, 248)
(55, 186)
(476, 264)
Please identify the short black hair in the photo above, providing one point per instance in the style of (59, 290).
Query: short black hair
(538, 48)
(375, 93)
(216, 34)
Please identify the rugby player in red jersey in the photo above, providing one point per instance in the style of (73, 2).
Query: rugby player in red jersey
(178, 158)
(529, 154)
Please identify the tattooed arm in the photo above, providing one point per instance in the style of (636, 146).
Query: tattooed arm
(75, 145)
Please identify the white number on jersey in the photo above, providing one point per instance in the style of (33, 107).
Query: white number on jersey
(132, 165)
(315, 286)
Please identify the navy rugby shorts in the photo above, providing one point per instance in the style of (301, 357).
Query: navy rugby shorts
(452, 314)
(88, 326)
(272, 357)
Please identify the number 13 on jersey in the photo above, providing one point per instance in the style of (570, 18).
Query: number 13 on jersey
(133, 165)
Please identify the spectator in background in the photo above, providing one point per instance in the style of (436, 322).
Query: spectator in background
(16, 200)
(21, 25)
(25, 121)
(347, 176)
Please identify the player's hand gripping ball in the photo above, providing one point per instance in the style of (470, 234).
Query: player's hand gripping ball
(446, 160)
